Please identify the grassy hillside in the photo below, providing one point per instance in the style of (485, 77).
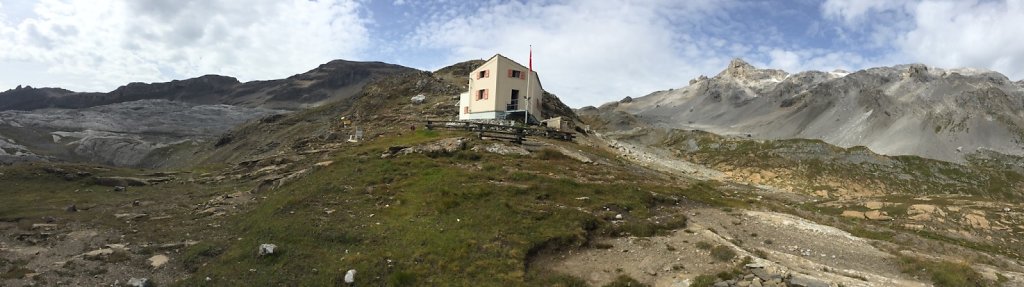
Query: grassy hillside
(815, 166)
(453, 219)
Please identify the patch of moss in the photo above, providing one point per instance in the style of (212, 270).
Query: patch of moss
(943, 273)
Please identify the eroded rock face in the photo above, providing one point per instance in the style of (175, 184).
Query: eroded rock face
(977, 220)
(853, 214)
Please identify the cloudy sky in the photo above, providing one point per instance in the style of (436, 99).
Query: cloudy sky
(586, 51)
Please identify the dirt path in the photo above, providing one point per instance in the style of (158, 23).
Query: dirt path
(790, 244)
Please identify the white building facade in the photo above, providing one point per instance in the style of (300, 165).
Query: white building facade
(502, 89)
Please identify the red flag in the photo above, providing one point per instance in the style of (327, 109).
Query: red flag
(531, 58)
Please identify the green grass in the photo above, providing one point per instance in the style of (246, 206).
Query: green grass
(871, 233)
(704, 281)
(625, 281)
(723, 253)
(30, 193)
(199, 254)
(943, 273)
(815, 164)
(419, 220)
(703, 245)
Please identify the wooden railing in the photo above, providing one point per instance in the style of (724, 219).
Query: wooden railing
(511, 133)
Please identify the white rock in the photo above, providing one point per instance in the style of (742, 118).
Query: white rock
(98, 253)
(139, 282)
(267, 249)
(158, 261)
(618, 216)
(418, 99)
(350, 276)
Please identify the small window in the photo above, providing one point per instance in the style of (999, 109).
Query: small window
(516, 74)
(481, 74)
(481, 94)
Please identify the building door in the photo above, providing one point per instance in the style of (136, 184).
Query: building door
(513, 103)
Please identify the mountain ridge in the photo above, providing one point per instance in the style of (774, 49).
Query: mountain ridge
(899, 110)
(327, 82)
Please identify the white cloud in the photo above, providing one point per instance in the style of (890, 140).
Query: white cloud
(98, 45)
(968, 34)
(799, 60)
(785, 60)
(950, 34)
(587, 52)
(856, 11)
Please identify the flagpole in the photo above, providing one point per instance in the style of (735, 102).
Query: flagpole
(529, 76)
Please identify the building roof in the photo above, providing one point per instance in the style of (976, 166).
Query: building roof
(517, 63)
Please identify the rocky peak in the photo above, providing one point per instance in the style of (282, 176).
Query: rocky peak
(742, 71)
(915, 71)
(737, 68)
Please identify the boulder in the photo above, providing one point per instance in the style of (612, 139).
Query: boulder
(923, 211)
(877, 215)
(418, 99)
(350, 276)
(977, 221)
(139, 282)
(267, 249)
(98, 254)
(800, 280)
(853, 214)
(767, 271)
(874, 205)
(158, 260)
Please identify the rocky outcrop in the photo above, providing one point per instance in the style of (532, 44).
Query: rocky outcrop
(443, 146)
(122, 134)
(502, 149)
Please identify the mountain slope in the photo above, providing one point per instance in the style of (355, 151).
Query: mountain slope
(900, 110)
(332, 81)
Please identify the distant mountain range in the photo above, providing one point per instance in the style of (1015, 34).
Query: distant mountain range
(899, 110)
(329, 82)
(124, 126)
